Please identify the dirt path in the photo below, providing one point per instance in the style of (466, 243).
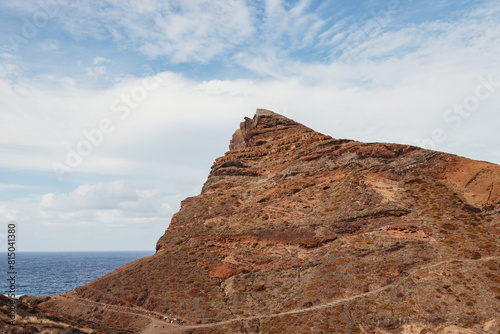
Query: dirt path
(159, 325)
(337, 302)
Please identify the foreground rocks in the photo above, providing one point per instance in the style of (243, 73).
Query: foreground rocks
(298, 232)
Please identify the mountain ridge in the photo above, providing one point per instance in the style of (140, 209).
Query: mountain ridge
(374, 238)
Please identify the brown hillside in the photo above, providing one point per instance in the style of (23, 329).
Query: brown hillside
(298, 232)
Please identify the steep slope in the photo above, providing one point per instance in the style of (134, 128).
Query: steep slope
(30, 319)
(298, 232)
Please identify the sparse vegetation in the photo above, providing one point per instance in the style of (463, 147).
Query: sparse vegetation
(372, 234)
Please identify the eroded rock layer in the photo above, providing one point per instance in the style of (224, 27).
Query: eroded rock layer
(298, 232)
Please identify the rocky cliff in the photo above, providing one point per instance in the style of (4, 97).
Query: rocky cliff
(299, 232)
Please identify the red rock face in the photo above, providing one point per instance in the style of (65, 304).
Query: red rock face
(298, 232)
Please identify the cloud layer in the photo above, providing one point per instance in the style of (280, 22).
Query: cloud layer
(111, 151)
(103, 216)
(117, 203)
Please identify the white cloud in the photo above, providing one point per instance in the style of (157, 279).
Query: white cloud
(168, 129)
(7, 214)
(96, 71)
(196, 30)
(181, 30)
(405, 97)
(116, 203)
(100, 60)
(4, 186)
(7, 70)
(49, 45)
(99, 69)
(294, 27)
(8, 56)
(115, 215)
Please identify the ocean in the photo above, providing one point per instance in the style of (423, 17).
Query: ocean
(49, 273)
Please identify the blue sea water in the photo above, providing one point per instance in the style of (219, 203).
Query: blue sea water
(49, 273)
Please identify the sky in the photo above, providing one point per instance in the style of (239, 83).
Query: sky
(112, 112)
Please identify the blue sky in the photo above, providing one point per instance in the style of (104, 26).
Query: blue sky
(112, 112)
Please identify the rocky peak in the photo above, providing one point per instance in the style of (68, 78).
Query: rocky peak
(264, 127)
(295, 231)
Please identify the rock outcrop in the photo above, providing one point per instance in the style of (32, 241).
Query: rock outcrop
(298, 232)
